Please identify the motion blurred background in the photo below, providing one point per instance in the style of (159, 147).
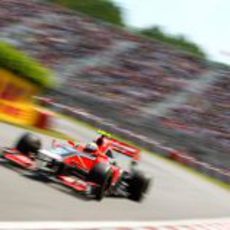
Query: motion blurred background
(80, 58)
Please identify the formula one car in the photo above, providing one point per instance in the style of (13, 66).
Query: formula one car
(91, 169)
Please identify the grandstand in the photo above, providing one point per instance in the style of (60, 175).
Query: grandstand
(166, 94)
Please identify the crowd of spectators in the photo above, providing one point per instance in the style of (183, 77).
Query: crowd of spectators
(206, 115)
(51, 33)
(149, 72)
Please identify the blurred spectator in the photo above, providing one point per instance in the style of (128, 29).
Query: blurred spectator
(134, 72)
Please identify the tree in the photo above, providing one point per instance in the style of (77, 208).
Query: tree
(104, 10)
(178, 41)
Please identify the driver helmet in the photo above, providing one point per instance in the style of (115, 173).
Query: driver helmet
(91, 147)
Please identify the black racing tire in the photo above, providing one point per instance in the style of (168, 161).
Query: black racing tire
(138, 185)
(60, 168)
(28, 143)
(147, 184)
(101, 174)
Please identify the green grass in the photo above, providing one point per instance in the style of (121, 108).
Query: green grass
(192, 170)
(76, 121)
(189, 169)
(24, 66)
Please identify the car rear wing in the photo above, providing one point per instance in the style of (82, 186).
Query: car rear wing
(124, 148)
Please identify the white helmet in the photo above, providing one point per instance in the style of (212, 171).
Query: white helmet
(91, 147)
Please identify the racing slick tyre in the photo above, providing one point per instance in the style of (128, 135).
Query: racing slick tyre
(101, 174)
(28, 143)
(138, 186)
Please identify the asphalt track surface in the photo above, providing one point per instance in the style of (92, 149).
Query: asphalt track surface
(175, 195)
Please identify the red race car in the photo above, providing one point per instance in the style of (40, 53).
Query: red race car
(93, 169)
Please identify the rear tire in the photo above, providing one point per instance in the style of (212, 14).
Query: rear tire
(138, 186)
(101, 174)
(28, 143)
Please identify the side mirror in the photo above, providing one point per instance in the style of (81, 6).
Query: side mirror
(71, 143)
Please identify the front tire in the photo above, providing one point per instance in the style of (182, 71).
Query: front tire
(28, 143)
(101, 174)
